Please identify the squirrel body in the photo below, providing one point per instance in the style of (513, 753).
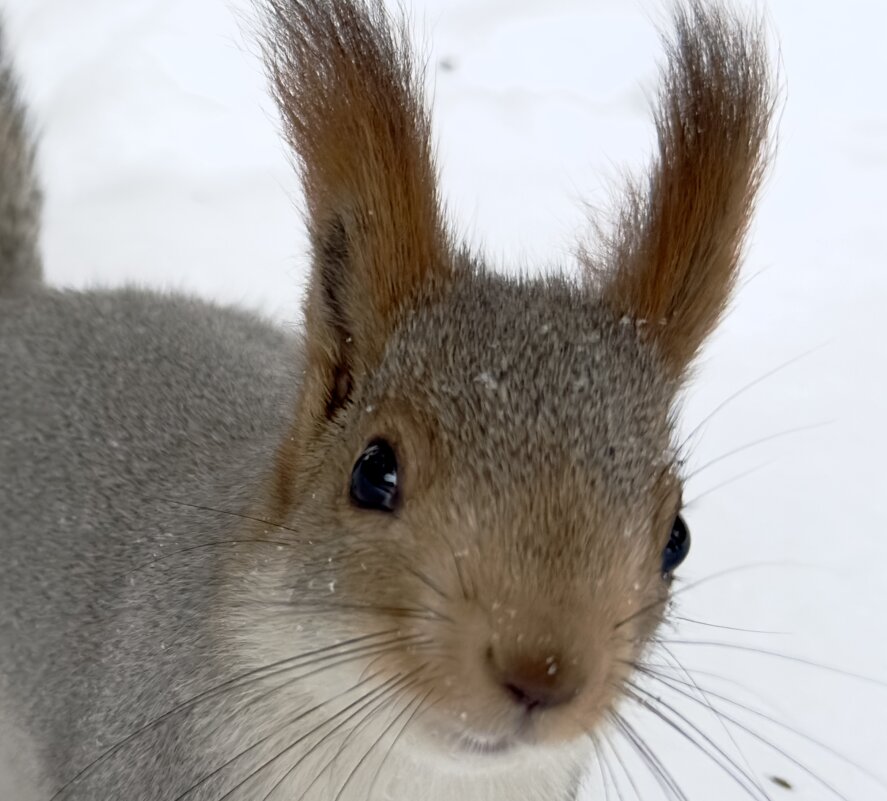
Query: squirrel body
(411, 552)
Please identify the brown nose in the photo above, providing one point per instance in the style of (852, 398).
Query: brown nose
(536, 681)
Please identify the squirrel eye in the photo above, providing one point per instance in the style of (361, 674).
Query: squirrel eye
(374, 478)
(678, 547)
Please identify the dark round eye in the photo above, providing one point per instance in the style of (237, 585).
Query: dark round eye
(374, 478)
(678, 547)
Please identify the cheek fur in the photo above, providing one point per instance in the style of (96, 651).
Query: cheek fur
(459, 623)
(472, 629)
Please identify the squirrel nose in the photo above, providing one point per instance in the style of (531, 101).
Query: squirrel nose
(536, 681)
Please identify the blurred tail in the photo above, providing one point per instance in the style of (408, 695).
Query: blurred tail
(20, 197)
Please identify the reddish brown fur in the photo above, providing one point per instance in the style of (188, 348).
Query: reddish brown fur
(354, 113)
(712, 122)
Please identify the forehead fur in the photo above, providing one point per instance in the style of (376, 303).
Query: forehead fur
(538, 373)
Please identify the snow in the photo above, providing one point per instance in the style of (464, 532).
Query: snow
(163, 166)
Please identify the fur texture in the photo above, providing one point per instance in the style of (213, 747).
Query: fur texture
(671, 260)
(192, 604)
(20, 263)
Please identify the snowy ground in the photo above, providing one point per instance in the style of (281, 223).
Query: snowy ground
(163, 167)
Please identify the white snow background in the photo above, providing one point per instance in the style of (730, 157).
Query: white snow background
(163, 166)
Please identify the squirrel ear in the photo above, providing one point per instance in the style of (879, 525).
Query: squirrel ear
(671, 260)
(354, 112)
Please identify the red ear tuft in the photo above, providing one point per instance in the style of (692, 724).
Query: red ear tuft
(673, 256)
(353, 107)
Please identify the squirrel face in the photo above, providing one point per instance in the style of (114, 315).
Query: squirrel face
(483, 468)
(501, 489)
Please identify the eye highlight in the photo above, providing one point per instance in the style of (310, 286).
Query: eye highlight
(374, 478)
(677, 548)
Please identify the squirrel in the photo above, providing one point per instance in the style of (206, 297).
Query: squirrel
(412, 552)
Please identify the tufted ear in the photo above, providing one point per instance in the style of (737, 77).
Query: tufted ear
(672, 258)
(354, 112)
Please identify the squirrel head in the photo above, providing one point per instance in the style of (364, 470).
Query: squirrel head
(487, 465)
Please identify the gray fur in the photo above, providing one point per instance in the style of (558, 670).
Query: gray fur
(506, 366)
(182, 565)
(20, 198)
(116, 405)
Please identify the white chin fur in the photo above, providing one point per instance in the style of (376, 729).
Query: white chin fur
(367, 751)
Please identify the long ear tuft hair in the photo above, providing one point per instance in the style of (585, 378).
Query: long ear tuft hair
(671, 261)
(352, 102)
(353, 107)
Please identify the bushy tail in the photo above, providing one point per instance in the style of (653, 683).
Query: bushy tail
(20, 197)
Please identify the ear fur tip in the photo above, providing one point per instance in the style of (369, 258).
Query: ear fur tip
(716, 93)
(713, 40)
(675, 250)
(349, 91)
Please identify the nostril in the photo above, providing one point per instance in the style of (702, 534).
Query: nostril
(523, 697)
(535, 682)
(540, 695)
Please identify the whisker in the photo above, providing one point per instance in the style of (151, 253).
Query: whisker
(696, 622)
(437, 613)
(695, 584)
(382, 652)
(354, 655)
(717, 755)
(242, 680)
(387, 698)
(726, 483)
(264, 521)
(391, 747)
(763, 740)
(671, 682)
(302, 714)
(749, 445)
(663, 776)
(706, 624)
(422, 613)
(711, 708)
(361, 702)
(426, 581)
(611, 772)
(462, 585)
(696, 672)
(217, 544)
(598, 758)
(622, 764)
(739, 393)
(777, 655)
